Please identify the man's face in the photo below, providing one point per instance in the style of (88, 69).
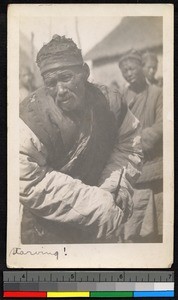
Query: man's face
(131, 70)
(150, 68)
(67, 87)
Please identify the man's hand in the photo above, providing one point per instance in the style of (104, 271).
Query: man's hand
(122, 193)
(125, 203)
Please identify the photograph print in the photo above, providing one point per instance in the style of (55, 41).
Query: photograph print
(94, 162)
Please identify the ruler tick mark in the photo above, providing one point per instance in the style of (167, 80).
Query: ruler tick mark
(123, 276)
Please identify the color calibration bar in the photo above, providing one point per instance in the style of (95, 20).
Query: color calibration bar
(96, 294)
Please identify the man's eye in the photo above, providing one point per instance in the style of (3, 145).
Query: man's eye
(51, 83)
(66, 78)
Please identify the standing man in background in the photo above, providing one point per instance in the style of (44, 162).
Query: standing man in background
(150, 66)
(145, 101)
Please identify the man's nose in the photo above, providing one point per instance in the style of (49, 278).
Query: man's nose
(129, 73)
(151, 71)
(61, 89)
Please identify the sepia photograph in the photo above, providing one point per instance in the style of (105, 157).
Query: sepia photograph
(90, 135)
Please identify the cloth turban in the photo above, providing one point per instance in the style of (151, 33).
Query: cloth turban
(131, 54)
(149, 55)
(59, 52)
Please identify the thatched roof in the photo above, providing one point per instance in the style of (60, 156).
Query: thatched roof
(133, 32)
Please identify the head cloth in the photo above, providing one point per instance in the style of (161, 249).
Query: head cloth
(131, 54)
(59, 52)
(149, 55)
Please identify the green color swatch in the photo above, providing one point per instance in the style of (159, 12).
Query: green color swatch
(111, 294)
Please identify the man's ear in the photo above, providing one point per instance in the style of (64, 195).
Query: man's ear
(86, 71)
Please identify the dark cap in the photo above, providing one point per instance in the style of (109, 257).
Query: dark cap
(131, 54)
(59, 52)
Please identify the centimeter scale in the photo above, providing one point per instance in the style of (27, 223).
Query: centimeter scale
(88, 284)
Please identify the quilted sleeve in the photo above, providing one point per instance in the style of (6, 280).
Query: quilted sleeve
(55, 196)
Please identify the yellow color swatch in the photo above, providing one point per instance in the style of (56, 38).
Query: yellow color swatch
(67, 294)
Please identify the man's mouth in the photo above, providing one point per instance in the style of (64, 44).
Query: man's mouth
(63, 100)
(131, 79)
(150, 76)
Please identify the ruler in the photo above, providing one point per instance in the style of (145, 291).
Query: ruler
(127, 284)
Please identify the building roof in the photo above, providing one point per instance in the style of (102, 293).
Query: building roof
(133, 32)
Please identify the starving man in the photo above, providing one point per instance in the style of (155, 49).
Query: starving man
(76, 141)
